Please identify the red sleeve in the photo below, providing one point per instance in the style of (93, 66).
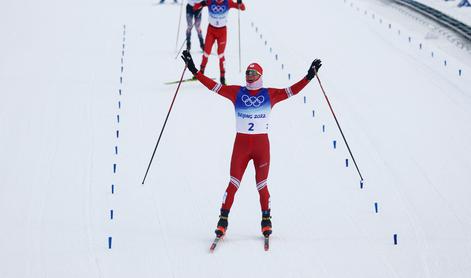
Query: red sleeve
(229, 92)
(234, 5)
(277, 95)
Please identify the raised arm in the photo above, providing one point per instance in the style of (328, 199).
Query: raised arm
(229, 92)
(277, 95)
(237, 5)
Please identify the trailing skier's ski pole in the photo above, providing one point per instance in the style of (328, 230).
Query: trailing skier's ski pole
(179, 23)
(180, 50)
(165, 123)
(338, 125)
(240, 59)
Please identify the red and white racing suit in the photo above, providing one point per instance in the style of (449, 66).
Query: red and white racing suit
(252, 109)
(217, 30)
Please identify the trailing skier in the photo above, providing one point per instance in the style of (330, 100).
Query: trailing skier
(253, 104)
(217, 30)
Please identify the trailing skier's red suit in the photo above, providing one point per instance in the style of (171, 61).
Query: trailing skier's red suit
(217, 30)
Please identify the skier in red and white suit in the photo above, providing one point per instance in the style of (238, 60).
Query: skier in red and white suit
(253, 105)
(218, 11)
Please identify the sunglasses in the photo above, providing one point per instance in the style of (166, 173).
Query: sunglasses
(252, 72)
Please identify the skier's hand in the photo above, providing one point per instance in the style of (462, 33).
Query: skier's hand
(313, 69)
(186, 56)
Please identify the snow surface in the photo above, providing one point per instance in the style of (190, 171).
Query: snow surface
(405, 114)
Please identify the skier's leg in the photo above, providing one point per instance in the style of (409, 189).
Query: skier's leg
(261, 158)
(240, 159)
(222, 36)
(207, 48)
(198, 28)
(189, 21)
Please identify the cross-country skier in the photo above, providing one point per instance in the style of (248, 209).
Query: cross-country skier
(217, 30)
(196, 14)
(253, 104)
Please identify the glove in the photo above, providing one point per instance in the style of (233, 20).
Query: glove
(239, 2)
(186, 56)
(313, 69)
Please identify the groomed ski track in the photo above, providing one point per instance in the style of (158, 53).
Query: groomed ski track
(78, 132)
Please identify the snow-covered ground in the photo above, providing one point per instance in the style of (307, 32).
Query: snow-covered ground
(83, 101)
(451, 9)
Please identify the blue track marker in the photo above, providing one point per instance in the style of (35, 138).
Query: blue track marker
(346, 162)
(335, 144)
(112, 189)
(109, 242)
(376, 207)
(395, 239)
(114, 168)
(111, 214)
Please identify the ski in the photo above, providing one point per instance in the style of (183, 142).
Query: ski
(215, 243)
(267, 243)
(184, 80)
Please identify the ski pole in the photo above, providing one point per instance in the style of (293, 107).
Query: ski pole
(240, 59)
(165, 123)
(338, 125)
(179, 23)
(180, 50)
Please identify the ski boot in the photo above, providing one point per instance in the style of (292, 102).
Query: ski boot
(266, 223)
(222, 223)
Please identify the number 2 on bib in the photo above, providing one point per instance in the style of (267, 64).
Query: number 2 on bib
(251, 125)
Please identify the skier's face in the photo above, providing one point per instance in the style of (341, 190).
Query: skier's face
(251, 76)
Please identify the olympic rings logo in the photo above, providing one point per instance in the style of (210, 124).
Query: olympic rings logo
(218, 9)
(253, 101)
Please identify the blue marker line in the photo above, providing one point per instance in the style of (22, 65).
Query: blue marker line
(395, 239)
(117, 133)
(116, 150)
(114, 168)
(117, 116)
(111, 214)
(346, 162)
(376, 207)
(112, 189)
(109, 242)
(119, 104)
